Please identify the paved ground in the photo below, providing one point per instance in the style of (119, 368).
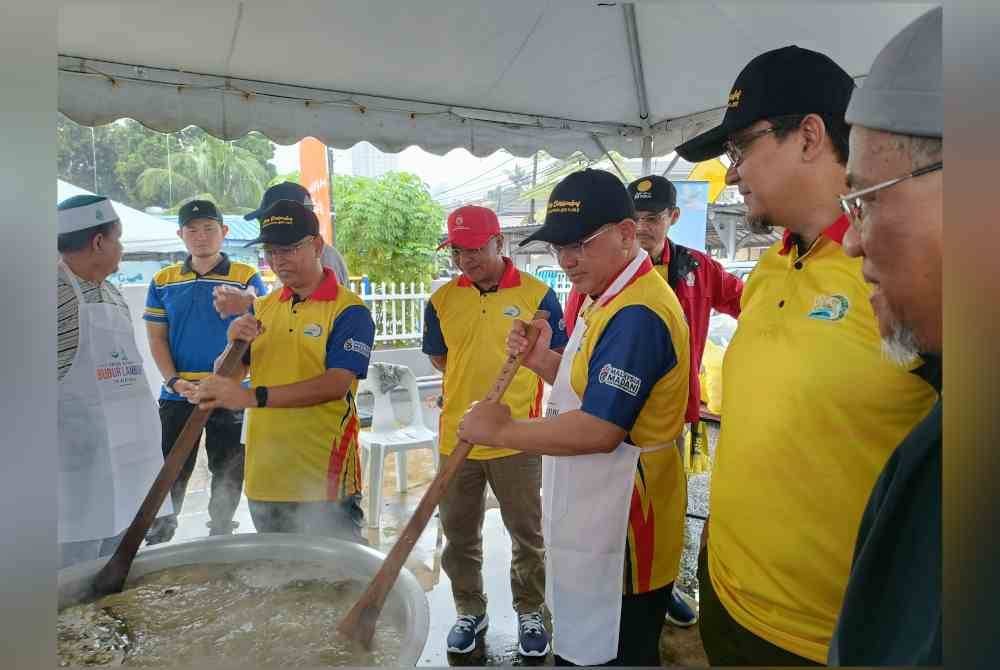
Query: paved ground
(498, 645)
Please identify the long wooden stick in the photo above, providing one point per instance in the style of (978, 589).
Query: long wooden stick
(359, 624)
(112, 576)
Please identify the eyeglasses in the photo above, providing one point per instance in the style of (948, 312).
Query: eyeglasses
(458, 252)
(853, 203)
(284, 251)
(736, 149)
(577, 249)
(650, 220)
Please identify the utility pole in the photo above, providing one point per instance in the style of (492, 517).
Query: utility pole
(534, 180)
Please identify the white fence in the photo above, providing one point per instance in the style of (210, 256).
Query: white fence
(398, 309)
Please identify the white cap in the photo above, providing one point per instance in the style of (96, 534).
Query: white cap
(85, 211)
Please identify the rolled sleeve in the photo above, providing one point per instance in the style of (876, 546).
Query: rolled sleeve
(155, 311)
(633, 353)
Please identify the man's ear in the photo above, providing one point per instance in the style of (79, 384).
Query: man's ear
(674, 215)
(813, 136)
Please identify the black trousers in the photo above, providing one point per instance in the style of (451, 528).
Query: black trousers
(225, 460)
(726, 642)
(639, 631)
(335, 518)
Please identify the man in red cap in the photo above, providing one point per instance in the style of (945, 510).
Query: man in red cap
(465, 331)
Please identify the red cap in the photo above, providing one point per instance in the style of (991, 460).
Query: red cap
(471, 227)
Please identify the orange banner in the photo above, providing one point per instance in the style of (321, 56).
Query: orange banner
(314, 174)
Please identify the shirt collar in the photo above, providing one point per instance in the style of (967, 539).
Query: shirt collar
(327, 289)
(510, 278)
(835, 231)
(644, 267)
(931, 370)
(664, 258)
(221, 268)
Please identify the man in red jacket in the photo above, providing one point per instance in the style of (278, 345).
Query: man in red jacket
(701, 285)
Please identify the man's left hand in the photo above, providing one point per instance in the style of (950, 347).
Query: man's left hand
(484, 422)
(214, 391)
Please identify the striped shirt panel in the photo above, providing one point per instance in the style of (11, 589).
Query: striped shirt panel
(68, 314)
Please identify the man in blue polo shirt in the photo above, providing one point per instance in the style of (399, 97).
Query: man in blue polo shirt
(185, 335)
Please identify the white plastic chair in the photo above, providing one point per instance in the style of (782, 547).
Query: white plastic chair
(387, 435)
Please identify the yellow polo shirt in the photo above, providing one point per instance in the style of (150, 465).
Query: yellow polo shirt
(632, 370)
(302, 454)
(471, 327)
(812, 412)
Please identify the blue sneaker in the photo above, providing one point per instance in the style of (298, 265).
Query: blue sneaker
(681, 609)
(532, 639)
(462, 637)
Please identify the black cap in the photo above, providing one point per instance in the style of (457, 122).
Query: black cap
(580, 204)
(286, 222)
(653, 194)
(286, 190)
(198, 209)
(790, 80)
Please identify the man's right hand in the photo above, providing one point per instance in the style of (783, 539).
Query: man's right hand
(517, 343)
(231, 301)
(246, 328)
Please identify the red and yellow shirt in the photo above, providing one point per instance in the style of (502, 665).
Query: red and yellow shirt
(470, 327)
(300, 454)
(632, 370)
(813, 411)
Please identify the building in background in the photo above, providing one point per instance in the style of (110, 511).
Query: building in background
(367, 161)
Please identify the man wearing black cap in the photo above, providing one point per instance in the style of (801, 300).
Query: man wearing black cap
(612, 481)
(812, 408)
(310, 344)
(185, 335)
(289, 190)
(701, 285)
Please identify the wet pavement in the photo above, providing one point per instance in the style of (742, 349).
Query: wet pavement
(498, 645)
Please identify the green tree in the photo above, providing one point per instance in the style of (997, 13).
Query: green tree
(387, 228)
(77, 148)
(229, 174)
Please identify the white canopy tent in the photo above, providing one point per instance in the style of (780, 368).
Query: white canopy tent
(140, 231)
(522, 75)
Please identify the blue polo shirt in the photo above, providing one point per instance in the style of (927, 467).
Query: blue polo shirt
(182, 299)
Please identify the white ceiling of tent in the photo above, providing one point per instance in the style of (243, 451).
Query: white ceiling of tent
(518, 74)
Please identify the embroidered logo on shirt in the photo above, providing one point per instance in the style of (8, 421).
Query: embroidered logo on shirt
(619, 379)
(562, 324)
(512, 311)
(358, 347)
(830, 307)
(689, 279)
(313, 330)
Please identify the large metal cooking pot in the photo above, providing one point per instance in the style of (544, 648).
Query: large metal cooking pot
(405, 607)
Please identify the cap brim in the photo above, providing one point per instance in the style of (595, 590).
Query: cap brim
(250, 216)
(446, 243)
(705, 146)
(555, 235)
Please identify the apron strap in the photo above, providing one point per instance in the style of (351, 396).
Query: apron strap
(74, 284)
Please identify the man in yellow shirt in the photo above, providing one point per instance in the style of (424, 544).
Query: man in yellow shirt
(613, 482)
(813, 409)
(310, 343)
(465, 331)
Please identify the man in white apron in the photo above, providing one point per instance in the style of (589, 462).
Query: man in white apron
(613, 486)
(109, 430)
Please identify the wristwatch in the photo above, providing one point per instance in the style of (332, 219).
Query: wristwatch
(169, 384)
(261, 394)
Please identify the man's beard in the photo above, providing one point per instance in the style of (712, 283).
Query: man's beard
(759, 224)
(901, 345)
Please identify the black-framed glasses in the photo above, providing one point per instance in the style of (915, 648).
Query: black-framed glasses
(458, 252)
(284, 251)
(853, 203)
(736, 148)
(577, 249)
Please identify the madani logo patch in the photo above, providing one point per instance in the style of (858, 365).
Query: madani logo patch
(313, 330)
(619, 379)
(734, 97)
(830, 307)
(644, 186)
(358, 347)
(512, 311)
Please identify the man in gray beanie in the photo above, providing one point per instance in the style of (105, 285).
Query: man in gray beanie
(892, 606)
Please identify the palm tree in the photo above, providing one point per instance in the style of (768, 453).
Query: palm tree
(212, 169)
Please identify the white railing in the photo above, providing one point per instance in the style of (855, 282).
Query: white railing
(397, 309)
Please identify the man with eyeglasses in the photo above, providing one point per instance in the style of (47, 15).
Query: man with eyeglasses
(466, 323)
(613, 482)
(812, 408)
(892, 607)
(310, 343)
(185, 335)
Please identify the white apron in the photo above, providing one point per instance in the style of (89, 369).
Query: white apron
(109, 429)
(585, 507)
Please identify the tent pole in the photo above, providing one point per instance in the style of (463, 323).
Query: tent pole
(635, 54)
(647, 154)
(600, 145)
